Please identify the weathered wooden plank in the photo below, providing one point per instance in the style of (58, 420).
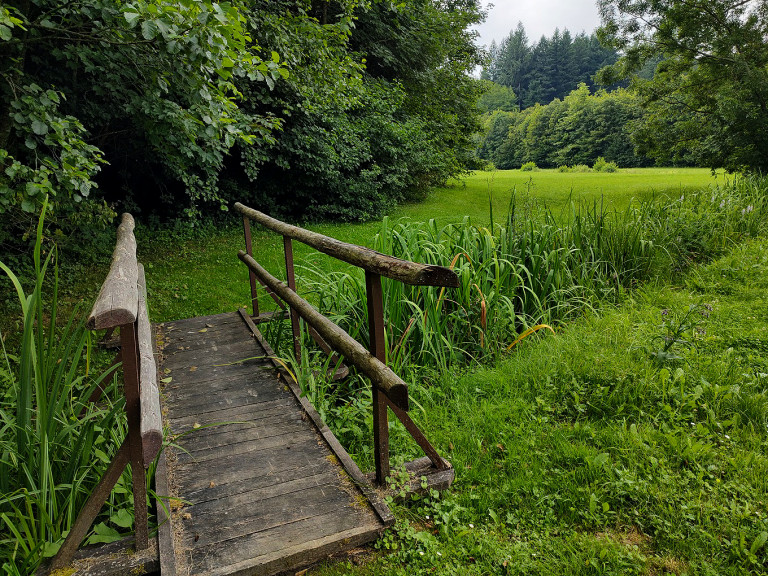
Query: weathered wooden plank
(118, 299)
(231, 344)
(354, 352)
(208, 372)
(177, 393)
(247, 413)
(290, 548)
(199, 322)
(239, 417)
(254, 478)
(365, 258)
(255, 463)
(253, 433)
(247, 395)
(287, 441)
(259, 509)
(149, 396)
(206, 529)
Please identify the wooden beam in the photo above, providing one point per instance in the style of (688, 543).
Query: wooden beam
(151, 420)
(365, 258)
(354, 353)
(117, 302)
(91, 508)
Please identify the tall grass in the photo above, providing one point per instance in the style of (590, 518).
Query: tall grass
(535, 267)
(53, 441)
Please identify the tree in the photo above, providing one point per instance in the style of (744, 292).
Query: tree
(143, 94)
(497, 97)
(708, 99)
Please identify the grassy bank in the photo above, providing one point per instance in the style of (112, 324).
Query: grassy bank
(589, 453)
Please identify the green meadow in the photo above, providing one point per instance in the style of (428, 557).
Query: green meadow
(178, 289)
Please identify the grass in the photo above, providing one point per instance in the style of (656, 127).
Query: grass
(52, 439)
(178, 289)
(582, 454)
(202, 276)
(470, 197)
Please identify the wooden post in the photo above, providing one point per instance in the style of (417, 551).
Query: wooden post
(130, 354)
(251, 275)
(91, 509)
(375, 302)
(291, 276)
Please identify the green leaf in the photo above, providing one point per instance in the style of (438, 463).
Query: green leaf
(132, 18)
(148, 29)
(275, 57)
(51, 548)
(103, 534)
(33, 188)
(39, 128)
(27, 205)
(5, 32)
(123, 518)
(759, 542)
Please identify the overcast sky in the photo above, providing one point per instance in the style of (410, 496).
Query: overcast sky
(540, 17)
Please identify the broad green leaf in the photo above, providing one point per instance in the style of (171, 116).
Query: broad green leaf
(39, 128)
(122, 518)
(148, 29)
(132, 18)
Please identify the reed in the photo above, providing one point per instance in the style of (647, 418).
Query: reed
(50, 434)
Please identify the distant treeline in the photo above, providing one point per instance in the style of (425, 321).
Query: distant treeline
(541, 71)
(576, 130)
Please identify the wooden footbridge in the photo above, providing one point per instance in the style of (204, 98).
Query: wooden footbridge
(249, 479)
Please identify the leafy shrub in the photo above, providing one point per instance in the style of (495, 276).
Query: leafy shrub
(601, 165)
(564, 168)
(529, 167)
(581, 168)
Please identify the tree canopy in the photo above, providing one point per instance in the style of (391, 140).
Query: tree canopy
(549, 68)
(174, 107)
(708, 101)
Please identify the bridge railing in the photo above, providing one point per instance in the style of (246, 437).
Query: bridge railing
(389, 391)
(121, 303)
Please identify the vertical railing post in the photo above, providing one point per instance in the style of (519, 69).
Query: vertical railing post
(251, 275)
(130, 355)
(291, 276)
(375, 303)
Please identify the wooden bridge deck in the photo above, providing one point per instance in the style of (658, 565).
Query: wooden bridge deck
(258, 484)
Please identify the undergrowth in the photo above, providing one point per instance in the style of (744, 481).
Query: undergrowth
(586, 453)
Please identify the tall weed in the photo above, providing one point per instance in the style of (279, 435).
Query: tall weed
(50, 434)
(536, 267)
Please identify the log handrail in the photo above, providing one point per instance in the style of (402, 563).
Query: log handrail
(122, 303)
(149, 395)
(118, 300)
(388, 390)
(388, 266)
(355, 353)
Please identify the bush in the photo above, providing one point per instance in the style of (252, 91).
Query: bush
(564, 168)
(581, 168)
(529, 167)
(601, 165)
